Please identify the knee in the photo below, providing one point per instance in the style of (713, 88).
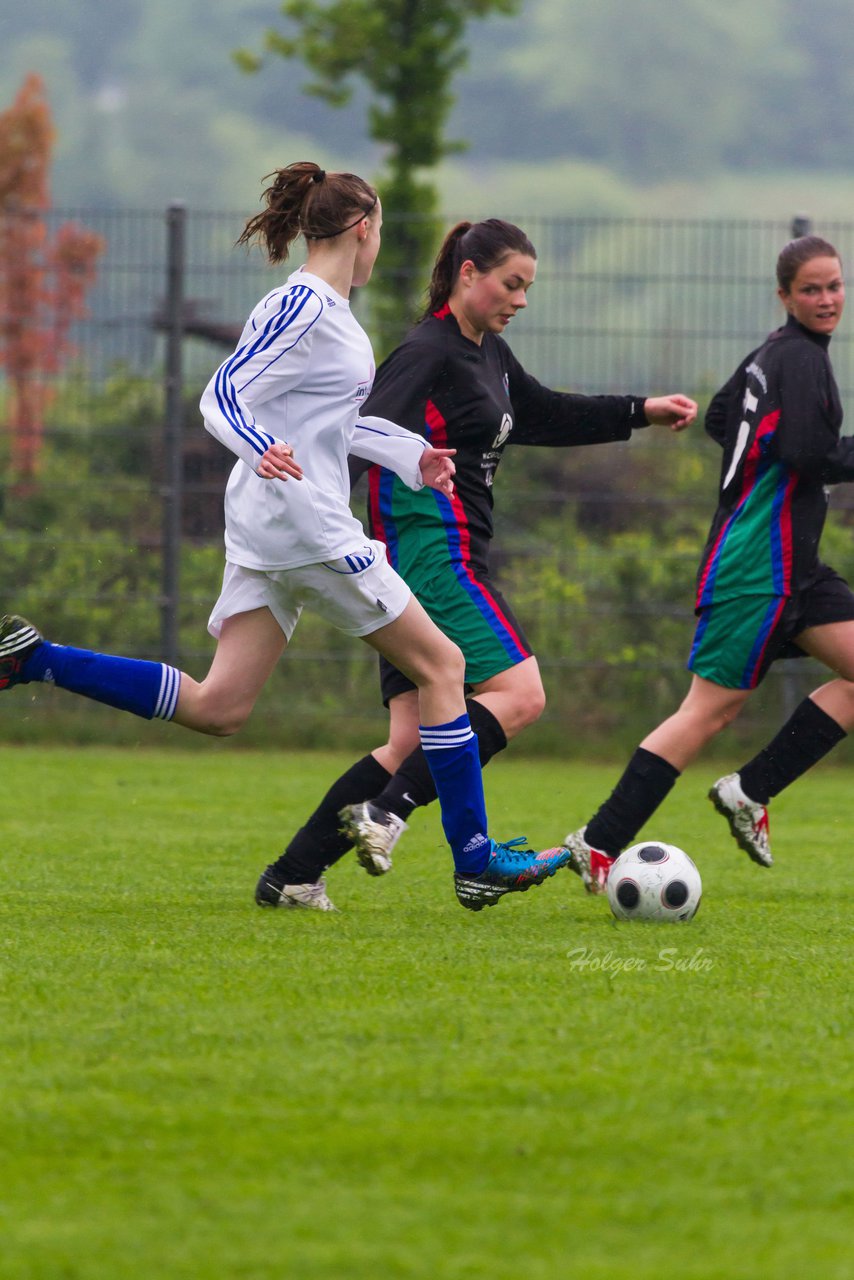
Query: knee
(223, 727)
(219, 720)
(707, 716)
(447, 665)
(535, 705)
(524, 710)
(455, 664)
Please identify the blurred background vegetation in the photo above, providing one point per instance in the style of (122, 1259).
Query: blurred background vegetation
(615, 107)
(656, 153)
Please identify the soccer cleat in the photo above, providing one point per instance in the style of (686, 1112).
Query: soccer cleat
(593, 865)
(271, 891)
(18, 639)
(374, 832)
(512, 868)
(748, 821)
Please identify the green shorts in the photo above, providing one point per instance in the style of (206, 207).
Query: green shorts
(737, 640)
(473, 613)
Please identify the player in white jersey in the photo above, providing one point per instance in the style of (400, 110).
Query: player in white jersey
(287, 404)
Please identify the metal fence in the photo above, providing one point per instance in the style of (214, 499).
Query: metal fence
(128, 556)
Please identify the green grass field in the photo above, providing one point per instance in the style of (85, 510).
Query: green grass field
(195, 1088)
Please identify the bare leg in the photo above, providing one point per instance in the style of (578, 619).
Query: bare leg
(419, 649)
(247, 651)
(708, 708)
(834, 646)
(515, 697)
(403, 736)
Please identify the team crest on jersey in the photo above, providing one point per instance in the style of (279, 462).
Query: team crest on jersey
(503, 432)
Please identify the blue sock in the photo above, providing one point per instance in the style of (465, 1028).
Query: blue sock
(452, 754)
(148, 689)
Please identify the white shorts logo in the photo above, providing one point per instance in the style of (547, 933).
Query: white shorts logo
(354, 563)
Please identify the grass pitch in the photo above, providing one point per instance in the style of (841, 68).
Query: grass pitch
(195, 1088)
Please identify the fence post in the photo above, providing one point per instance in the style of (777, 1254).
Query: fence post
(173, 432)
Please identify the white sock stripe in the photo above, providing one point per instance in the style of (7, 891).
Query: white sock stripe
(439, 731)
(444, 739)
(167, 698)
(19, 640)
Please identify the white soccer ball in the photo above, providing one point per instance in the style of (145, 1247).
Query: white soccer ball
(654, 881)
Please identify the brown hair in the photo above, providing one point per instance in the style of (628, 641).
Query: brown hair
(305, 199)
(796, 253)
(486, 244)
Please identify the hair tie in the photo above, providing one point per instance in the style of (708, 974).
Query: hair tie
(319, 175)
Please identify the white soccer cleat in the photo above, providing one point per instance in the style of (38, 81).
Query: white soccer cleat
(593, 865)
(748, 821)
(271, 892)
(374, 832)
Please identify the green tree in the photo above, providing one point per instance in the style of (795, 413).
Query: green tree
(406, 53)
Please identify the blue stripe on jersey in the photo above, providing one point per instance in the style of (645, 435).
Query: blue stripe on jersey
(387, 435)
(778, 568)
(291, 305)
(385, 497)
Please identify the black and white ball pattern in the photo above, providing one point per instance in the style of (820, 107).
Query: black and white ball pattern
(654, 881)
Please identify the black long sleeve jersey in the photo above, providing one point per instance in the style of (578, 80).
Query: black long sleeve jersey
(778, 419)
(476, 399)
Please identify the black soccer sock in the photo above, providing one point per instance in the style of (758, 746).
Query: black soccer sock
(320, 843)
(413, 783)
(806, 737)
(646, 781)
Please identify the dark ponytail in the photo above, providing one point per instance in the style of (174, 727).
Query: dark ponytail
(306, 200)
(796, 253)
(486, 244)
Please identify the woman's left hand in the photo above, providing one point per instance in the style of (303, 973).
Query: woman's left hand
(437, 469)
(279, 463)
(676, 412)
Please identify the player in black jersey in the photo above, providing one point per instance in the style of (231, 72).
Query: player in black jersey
(762, 591)
(455, 380)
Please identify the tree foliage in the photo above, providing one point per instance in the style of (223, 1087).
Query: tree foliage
(407, 54)
(43, 281)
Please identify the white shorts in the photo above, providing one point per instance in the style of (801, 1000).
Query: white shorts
(358, 594)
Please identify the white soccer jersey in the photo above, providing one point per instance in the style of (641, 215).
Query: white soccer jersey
(300, 373)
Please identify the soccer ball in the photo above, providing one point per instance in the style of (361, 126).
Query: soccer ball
(654, 881)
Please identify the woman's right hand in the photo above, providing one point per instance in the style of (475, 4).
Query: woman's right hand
(278, 463)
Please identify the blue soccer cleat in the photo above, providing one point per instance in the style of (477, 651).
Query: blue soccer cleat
(512, 868)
